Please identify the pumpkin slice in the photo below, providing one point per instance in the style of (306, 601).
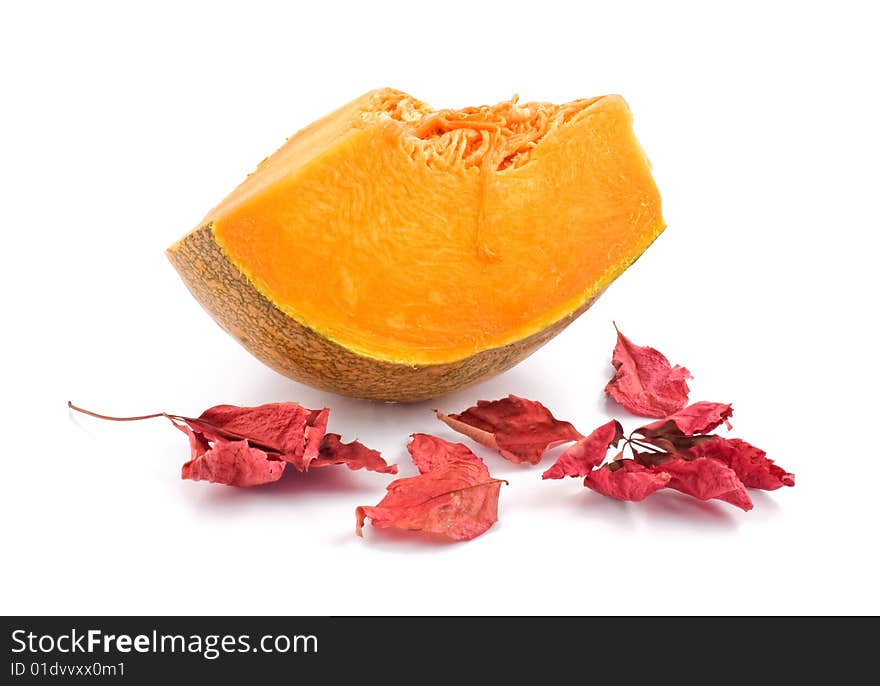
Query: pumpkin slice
(395, 252)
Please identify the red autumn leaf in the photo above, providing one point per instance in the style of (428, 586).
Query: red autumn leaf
(706, 479)
(246, 446)
(750, 463)
(292, 431)
(430, 452)
(198, 444)
(316, 429)
(644, 381)
(234, 463)
(587, 453)
(681, 431)
(626, 480)
(458, 500)
(521, 430)
(354, 455)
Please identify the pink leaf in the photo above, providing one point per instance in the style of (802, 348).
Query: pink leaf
(699, 418)
(234, 463)
(430, 452)
(626, 480)
(457, 500)
(354, 455)
(580, 458)
(313, 437)
(521, 430)
(706, 479)
(750, 464)
(644, 381)
(292, 431)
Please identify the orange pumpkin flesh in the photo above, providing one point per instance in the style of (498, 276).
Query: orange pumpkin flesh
(424, 250)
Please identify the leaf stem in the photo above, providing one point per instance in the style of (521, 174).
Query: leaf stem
(193, 424)
(117, 419)
(646, 446)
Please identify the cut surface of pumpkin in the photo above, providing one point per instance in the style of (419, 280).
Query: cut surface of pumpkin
(419, 250)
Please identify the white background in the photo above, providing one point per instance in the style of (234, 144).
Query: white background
(121, 127)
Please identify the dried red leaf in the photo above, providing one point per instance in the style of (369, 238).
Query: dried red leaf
(316, 429)
(750, 463)
(198, 444)
(644, 381)
(580, 458)
(291, 430)
(234, 463)
(672, 432)
(626, 480)
(706, 479)
(521, 430)
(246, 446)
(354, 455)
(457, 499)
(430, 452)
